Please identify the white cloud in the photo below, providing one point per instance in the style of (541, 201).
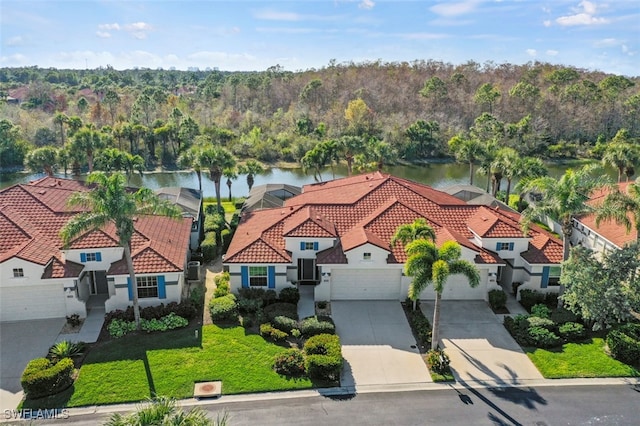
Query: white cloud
(454, 9)
(625, 49)
(109, 27)
(546, 23)
(138, 26)
(531, 52)
(584, 15)
(551, 52)
(14, 41)
(423, 36)
(285, 30)
(366, 4)
(606, 42)
(14, 60)
(103, 34)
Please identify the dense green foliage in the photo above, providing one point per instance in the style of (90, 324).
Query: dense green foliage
(393, 109)
(42, 377)
(624, 343)
(224, 309)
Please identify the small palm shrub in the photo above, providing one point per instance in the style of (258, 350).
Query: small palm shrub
(290, 363)
(165, 411)
(66, 349)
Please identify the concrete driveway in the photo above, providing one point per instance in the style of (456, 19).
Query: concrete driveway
(20, 342)
(377, 344)
(479, 346)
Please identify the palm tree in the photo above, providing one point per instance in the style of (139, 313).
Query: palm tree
(87, 141)
(231, 175)
(529, 168)
(466, 150)
(215, 159)
(350, 146)
(110, 201)
(251, 168)
(562, 199)
(621, 155)
(409, 232)
(189, 158)
(61, 119)
(165, 411)
(430, 265)
(510, 163)
(623, 208)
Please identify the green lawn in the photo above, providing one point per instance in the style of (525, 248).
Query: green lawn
(228, 206)
(134, 368)
(579, 360)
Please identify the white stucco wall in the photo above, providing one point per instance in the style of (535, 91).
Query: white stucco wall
(174, 282)
(292, 244)
(235, 278)
(355, 256)
(109, 255)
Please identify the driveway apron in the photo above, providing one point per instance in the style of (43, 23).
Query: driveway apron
(480, 348)
(20, 342)
(377, 344)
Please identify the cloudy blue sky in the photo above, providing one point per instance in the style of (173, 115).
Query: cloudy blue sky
(254, 35)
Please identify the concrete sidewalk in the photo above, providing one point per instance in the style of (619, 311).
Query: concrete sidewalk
(90, 330)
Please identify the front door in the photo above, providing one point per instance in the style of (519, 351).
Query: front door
(306, 270)
(99, 282)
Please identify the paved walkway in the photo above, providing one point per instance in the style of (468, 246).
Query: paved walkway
(90, 329)
(377, 345)
(479, 346)
(306, 304)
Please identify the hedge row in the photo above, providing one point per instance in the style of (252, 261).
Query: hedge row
(543, 332)
(323, 357)
(43, 377)
(624, 343)
(185, 309)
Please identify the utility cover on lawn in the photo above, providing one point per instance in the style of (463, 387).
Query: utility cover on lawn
(207, 389)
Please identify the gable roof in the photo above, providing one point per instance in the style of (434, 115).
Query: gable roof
(32, 215)
(368, 208)
(609, 229)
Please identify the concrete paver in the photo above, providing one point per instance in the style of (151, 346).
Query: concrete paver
(377, 345)
(479, 346)
(20, 342)
(306, 304)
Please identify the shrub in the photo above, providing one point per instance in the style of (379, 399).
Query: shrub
(281, 309)
(561, 316)
(290, 363)
(624, 343)
(222, 289)
(572, 332)
(65, 349)
(73, 320)
(438, 361)
(118, 328)
(221, 279)
(251, 293)
(196, 296)
(185, 309)
(270, 297)
(543, 338)
(541, 322)
(225, 235)
(323, 344)
(209, 246)
(421, 327)
(269, 332)
(249, 306)
(289, 295)
(322, 304)
(224, 309)
(285, 324)
(313, 326)
(42, 377)
(173, 321)
(497, 299)
(247, 321)
(529, 298)
(323, 367)
(540, 311)
(152, 325)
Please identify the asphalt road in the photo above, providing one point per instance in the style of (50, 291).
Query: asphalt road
(556, 405)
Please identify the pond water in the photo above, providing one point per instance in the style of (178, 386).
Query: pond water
(437, 175)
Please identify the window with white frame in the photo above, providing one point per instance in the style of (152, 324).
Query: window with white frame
(366, 256)
(18, 272)
(147, 287)
(308, 245)
(258, 276)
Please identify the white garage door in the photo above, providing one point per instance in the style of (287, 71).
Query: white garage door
(365, 284)
(31, 302)
(457, 288)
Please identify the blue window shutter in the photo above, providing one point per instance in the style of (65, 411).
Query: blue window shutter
(545, 277)
(497, 246)
(130, 288)
(510, 246)
(83, 257)
(271, 276)
(244, 274)
(302, 245)
(315, 245)
(162, 289)
(99, 257)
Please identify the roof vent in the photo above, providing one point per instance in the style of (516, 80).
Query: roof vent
(42, 192)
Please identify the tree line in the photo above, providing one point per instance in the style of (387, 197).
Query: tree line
(366, 115)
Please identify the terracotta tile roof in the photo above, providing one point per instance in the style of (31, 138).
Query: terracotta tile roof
(542, 249)
(609, 229)
(32, 215)
(369, 208)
